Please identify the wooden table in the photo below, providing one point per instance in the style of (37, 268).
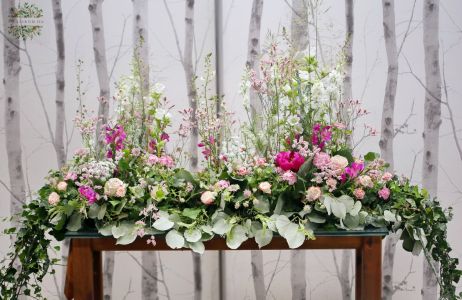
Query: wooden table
(84, 279)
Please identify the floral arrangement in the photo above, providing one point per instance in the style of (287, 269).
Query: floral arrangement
(290, 171)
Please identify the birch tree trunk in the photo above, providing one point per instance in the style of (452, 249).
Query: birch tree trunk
(60, 83)
(300, 38)
(192, 93)
(11, 70)
(299, 32)
(99, 48)
(253, 53)
(432, 122)
(387, 132)
(297, 274)
(344, 274)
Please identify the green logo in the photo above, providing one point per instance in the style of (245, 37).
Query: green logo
(26, 21)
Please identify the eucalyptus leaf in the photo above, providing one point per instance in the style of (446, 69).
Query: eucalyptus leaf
(221, 227)
(163, 223)
(128, 238)
(263, 237)
(236, 236)
(193, 235)
(106, 230)
(174, 239)
(75, 222)
(261, 204)
(197, 247)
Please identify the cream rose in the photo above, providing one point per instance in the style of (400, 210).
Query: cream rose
(265, 187)
(53, 199)
(208, 197)
(115, 187)
(61, 186)
(338, 162)
(313, 193)
(366, 181)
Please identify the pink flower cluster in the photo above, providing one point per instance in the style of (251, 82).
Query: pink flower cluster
(165, 160)
(115, 137)
(88, 193)
(321, 135)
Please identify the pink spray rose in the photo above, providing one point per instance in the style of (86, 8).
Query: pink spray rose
(384, 193)
(359, 193)
(208, 197)
(289, 160)
(290, 177)
(313, 193)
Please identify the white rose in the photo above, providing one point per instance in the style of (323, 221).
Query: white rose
(208, 197)
(338, 162)
(313, 193)
(62, 186)
(53, 199)
(114, 187)
(365, 181)
(265, 187)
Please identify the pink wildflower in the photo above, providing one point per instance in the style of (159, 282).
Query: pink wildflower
(290, 177)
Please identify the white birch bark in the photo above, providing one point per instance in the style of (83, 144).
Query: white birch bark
(299, 32)
(192, 93)
(297, 274)
(432, 122)
(253, 55)
(99, 48)
(299, 37)
(60, 83)
(256, 257)
(387, 132)
(344, 274)
(11, 70)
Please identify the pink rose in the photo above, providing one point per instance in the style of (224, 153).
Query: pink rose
(338, 162)
(289, 160)
(53, 198)
(359, 193)
(120, 192)
(222, 184)
(384, 193)
(62, 186)
(242, 171)
(265, 187)
(247, 194)
(365, 181)
(321, 160)
(208, 197)
(313, 193)
(387, 176)
(290, 177)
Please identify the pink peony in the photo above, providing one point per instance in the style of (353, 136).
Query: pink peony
(384, 193)
(289, 160)
(359, 193)
(290, 177)
(321, 160)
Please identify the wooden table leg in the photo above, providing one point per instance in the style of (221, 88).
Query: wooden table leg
(87, 271)
(369, 269)
(69, 284)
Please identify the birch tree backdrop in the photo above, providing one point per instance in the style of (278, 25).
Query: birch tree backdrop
(404, 62)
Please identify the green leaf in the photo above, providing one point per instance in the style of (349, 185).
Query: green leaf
(127, 238)
(163, 223)
(221, 227)
(193, 235)
(236, 237)
(305, 168)
(263, 237)
(262, 204)
(279, 204)
(370, 156)
(316, 218)
(389, 216)
(122, 229)
(356, 208)
(93, 211)
(191, 213)
(102, 211)
(174, 239)
(75, 222)
(197, 247)
(106, 230)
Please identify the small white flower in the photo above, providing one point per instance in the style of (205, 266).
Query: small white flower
(159, 88)
(161, 114)
(293, 120)
(304, 75)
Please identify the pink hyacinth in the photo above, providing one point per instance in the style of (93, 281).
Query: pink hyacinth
(289, 160)
(384, 193)
(88, 193)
